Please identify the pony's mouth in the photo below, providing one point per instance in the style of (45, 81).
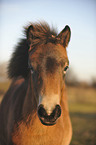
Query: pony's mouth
(47, 122)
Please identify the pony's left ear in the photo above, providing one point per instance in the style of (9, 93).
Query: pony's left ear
(64, 36)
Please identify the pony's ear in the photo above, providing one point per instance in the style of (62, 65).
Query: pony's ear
(30, 33)
(64, 36)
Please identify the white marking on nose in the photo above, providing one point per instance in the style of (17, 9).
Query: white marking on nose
(49, 102)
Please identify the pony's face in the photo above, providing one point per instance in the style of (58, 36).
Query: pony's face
(49, 63)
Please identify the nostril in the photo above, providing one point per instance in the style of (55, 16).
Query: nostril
(41, 111)
(58, 110)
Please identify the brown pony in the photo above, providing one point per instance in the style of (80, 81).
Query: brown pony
(34, 110)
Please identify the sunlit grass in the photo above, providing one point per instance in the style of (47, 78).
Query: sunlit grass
(81, 95)
(82, 108)
(4, 86)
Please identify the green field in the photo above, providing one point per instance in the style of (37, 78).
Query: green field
(82, 107)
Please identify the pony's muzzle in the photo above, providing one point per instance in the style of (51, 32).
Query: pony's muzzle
(47, 119)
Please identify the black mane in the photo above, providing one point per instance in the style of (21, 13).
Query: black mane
(18, 65)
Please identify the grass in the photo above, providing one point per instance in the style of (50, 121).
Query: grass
(82, 108)
(3, 88)
(84, 129)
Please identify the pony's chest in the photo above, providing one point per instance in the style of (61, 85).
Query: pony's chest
(37, 134)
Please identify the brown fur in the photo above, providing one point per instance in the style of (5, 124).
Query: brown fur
(19, 122)
(37, 134)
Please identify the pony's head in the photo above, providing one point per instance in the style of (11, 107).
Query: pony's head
(48, 63)
(43, 55)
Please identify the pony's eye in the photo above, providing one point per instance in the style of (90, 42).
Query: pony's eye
(65, 69)
(32, 70)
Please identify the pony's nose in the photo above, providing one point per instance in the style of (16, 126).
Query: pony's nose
(46, 118)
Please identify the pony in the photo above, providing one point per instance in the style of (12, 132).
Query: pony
(34, 110)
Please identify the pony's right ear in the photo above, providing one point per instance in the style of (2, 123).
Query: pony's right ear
(30, 35)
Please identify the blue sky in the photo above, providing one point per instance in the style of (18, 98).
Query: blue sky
(80, 15)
